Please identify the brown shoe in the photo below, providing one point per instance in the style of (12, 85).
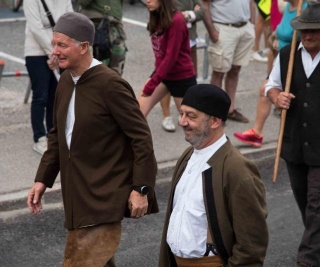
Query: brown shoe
(235, 115)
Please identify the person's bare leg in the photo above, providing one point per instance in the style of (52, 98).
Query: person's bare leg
(217, 78)
(270, 61)
(266, 32)
(148, 102)
(165, 105)
(264, 104)
(231, 83)
(177, 101)
(262, 111)
(259, 28)
(167, 122)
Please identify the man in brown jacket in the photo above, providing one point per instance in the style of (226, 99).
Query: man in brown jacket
(102, 146)
(216, 213)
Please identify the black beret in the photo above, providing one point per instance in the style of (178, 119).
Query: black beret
(76, 26)
(209, 99)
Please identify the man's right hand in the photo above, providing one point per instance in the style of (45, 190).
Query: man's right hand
(214, 35)
(34, 197)
(207, 20)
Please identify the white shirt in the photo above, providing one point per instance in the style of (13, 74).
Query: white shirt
(187, 230)
(230, 11)
(38, 32)
(308, 63)
(70, 116)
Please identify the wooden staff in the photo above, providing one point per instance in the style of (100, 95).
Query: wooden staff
(287, 90)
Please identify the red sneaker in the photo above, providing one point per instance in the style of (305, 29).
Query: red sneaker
(250, 137)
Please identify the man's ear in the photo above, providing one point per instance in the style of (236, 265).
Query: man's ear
(216, 122)
(84, 47)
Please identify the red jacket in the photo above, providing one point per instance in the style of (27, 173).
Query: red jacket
(172, 54)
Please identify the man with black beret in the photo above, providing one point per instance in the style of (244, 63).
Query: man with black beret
(216, 213)
(103, 152)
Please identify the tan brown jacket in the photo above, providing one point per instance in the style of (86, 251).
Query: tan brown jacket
(240, 200)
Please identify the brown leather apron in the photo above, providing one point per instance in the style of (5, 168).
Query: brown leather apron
(211, 261)
(92, 246)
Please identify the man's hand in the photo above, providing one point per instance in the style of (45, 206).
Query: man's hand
(283, 100)
(207, 20)
(214, 35)
(34, 197)
(138, 204)
(196, 8)
(53, 62)
(185, 15)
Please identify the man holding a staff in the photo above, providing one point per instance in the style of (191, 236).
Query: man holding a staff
(301, 136)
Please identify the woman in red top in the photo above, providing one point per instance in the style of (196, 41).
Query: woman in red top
(174, 71)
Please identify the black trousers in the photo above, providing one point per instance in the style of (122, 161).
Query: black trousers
(43, 83)
(305, 184)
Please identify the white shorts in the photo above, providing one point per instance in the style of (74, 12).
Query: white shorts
(233, 47)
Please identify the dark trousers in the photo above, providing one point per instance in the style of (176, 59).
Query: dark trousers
(43, 84)
(305, 184)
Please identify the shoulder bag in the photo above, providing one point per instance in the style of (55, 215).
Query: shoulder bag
(48, 13)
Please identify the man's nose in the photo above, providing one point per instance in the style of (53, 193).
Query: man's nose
(182, 120)
(55, 50)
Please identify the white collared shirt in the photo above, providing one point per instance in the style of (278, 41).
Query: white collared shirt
(308, 63)
(70, 116)
(187, 230)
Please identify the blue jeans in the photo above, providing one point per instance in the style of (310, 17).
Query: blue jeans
(43, 84)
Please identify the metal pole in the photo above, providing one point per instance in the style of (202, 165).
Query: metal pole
(2, 63)
(27, 94)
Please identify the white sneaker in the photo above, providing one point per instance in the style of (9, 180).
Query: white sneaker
(259, 56)
(41, 146)
(168, 125)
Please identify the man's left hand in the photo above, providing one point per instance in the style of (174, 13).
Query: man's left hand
(138, 204)
(53, 62)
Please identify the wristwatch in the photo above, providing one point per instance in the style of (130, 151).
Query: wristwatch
(143, 190)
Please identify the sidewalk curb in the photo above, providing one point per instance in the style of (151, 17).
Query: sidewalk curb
(18, 200)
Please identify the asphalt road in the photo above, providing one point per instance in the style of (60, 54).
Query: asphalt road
(28, 240)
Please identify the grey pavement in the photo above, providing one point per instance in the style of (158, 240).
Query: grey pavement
(18, 162)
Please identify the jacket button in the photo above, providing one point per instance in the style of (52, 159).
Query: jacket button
(308, 84)
(306, 143)
(305, 105)
(305, 124)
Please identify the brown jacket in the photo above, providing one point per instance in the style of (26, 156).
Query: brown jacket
(111, 149)
(240, 200)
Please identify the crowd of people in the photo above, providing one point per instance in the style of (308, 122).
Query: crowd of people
(216, 213)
